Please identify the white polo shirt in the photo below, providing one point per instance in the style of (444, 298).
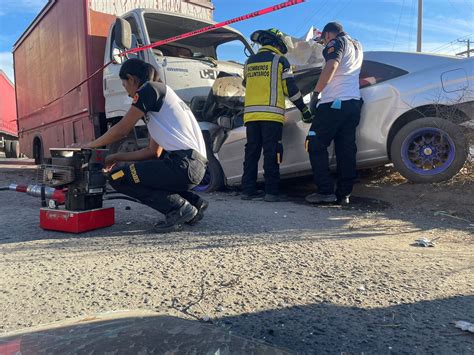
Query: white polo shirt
(169, 120)
(345, 82)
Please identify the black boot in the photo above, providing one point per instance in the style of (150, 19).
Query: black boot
(201, 207)
(175, 219)
(254, 195)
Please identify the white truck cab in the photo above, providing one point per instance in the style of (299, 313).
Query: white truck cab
(189, 66)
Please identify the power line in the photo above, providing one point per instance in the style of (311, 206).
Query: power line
(455, 8)
(398, 26)
(437, 49)
(313, 14)
(468, 43)
(344, 6)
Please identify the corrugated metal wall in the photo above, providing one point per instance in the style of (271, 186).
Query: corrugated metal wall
(196, 8)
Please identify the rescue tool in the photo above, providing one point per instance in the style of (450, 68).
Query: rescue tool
(75, 184)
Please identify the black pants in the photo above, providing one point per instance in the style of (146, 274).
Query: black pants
(338, 125)
(162, 184)
(266, 135)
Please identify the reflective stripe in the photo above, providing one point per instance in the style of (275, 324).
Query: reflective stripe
(287, 75)
(274, 81)
(118, 175)
(133, 171)
(295, 97)
(271, 109)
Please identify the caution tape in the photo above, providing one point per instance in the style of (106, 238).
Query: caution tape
(177, 38)
(215, 26)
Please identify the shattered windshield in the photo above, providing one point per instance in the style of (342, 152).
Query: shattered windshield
(206, 45)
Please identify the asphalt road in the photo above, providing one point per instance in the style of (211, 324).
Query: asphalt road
(313, 280)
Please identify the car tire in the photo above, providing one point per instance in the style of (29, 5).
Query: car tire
(214, 179)
(8, 149)
(429, 149)
(15, 149)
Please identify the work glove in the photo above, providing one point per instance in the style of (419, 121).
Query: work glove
(306, 115)
(314, 102)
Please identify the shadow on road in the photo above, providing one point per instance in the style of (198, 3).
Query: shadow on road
(323, 328)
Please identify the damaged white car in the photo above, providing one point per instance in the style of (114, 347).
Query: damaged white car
(415, 106)
(413, 112)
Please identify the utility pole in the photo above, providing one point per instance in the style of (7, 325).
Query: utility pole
(419, 36)
(469, 50)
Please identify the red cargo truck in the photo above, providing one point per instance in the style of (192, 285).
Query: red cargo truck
(64, 45)
(8, 122)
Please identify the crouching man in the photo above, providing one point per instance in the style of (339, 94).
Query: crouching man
(175, 137)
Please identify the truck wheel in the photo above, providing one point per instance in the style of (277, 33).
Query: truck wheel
(8, 149)
(15, 149)
(429, 149)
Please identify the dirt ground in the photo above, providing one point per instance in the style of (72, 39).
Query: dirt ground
(310, 279)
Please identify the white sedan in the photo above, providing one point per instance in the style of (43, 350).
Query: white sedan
(414, 108)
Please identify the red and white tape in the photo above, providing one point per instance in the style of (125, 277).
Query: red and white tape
(215, 26)
(182, 36)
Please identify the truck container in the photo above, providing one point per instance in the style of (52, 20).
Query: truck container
(8, 121)
(64, 45)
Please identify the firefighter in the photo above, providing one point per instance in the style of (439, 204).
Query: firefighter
(268, 79)
(336, 114)
(163, 184)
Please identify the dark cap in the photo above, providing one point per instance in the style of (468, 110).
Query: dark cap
(333, 27)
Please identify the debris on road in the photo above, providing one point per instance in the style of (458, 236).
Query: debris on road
(446, 214)
(463, 325)
(424, 243)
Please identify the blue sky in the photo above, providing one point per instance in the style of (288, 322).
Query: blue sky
(378, 24)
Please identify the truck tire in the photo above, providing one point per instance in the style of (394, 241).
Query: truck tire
(15, 149)
(429, 149)
(8, 149)
(214, 179)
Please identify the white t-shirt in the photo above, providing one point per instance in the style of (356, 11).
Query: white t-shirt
(169, 120)
(345, 82)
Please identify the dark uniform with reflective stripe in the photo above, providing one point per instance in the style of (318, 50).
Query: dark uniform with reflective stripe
(336, 119)
(268, 79)
(164, 184)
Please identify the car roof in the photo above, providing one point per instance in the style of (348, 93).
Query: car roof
(410, 61)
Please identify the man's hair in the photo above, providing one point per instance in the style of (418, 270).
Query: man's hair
(143, 71)
(333, 27)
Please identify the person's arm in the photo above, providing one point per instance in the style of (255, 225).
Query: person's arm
(332, 53)
(151, 152)
(119, 130)
(326, 75)
(290, 89)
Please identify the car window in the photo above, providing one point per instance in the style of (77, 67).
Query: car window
(373, 73)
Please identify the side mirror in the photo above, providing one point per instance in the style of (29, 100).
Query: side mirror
(123, 34)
